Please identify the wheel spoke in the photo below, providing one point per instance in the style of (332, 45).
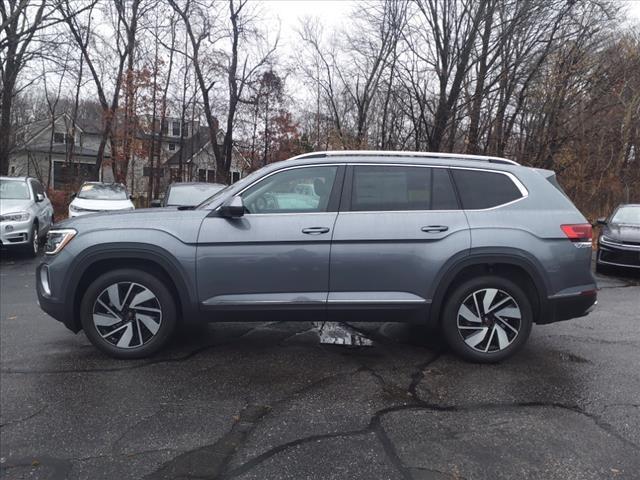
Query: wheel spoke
(493, 330)
(476, 338)
(125, 339)
(148, 322)
(106, 307)
(475, 302)
(114, 296)
(500, 303)
(468, 315)
(115, 330)
(147, 309)
(142, 297)
(506, 324)
(503, 340)
(126, 297)
(102, 320)
(511, 312)
(489, 295)
(463, 327)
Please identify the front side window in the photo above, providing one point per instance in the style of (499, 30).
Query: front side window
(283, 192)
(480, 189)
(399, 188)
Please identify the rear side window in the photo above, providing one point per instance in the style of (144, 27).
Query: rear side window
(394, 188)
(478, 189)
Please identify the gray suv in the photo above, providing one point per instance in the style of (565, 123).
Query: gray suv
(478, 247)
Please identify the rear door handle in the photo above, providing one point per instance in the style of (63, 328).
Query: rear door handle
(315, 230)
(434, 228)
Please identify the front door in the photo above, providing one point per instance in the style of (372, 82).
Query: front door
(274, 259)
(397, 226)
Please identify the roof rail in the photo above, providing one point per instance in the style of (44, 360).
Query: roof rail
(395, 153)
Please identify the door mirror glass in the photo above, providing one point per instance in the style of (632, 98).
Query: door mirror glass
(232, 208)
(39, 197)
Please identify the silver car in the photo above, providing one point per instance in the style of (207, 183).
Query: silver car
(26, 214)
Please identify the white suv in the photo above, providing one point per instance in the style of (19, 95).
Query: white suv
(96, 197)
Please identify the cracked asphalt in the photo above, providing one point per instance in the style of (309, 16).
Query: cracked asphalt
(268, 401)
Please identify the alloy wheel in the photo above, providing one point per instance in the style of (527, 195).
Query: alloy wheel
(127, 314)
(489, 320)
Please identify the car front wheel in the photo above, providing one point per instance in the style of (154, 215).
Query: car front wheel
(487, 319)
(128, 313)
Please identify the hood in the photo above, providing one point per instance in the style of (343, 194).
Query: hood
(9, 205)
(102, 205)
(622, 232)
(182, 224)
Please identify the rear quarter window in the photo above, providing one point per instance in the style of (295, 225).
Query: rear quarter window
(480, 189)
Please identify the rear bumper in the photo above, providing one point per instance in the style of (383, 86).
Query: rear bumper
(569, 306)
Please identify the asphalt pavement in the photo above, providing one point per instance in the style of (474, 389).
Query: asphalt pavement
(270, 401)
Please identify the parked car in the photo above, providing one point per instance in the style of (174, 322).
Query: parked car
(619, 242)
(479, 247)
(187, 194)
(26, 213)
(94, 197)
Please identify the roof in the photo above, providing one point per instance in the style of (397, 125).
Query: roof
(19, 179)
(393, 153)
(190, 147)
(60, 148)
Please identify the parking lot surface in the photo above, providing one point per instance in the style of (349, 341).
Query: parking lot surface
(269, 401)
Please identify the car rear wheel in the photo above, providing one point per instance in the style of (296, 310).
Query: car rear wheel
(487, 319)
(128, 313)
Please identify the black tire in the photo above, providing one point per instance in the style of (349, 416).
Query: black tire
(454, 335)
(33, 247)
(149, 342)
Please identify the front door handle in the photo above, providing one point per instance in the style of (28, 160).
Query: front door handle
(434, 228)
(315, 230)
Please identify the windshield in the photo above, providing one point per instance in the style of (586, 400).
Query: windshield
(14, 190)
(627, 214)
(103, 191)
(189, 195)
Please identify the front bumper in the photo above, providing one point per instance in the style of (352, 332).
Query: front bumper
(55, 307)
(618, 255)
(15, 233)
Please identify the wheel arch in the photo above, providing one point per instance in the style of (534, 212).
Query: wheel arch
(511, 263)
(100, 259)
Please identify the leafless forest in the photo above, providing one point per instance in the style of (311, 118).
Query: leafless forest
(551, 84)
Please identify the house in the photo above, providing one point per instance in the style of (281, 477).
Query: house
(53, 152)
(198, 161)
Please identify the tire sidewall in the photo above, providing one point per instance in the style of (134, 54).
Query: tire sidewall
(156, 286)
(450, 313)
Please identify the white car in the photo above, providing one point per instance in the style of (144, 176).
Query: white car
(94, 197)
(26, 214)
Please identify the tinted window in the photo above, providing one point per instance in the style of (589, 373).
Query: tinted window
(389, 188)
(287, 192)
(37, 187)
(103, 191)
(479, 189)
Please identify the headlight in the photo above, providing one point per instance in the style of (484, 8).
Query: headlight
(15, 217)
(73, 208)
(58, 239)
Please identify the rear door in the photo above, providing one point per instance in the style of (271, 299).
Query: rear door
(397, 226)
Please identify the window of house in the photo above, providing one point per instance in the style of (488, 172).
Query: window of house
(396, 188)
(176, 129)
(165, 127)
(235, 176)
(172, 146)
(481, 189)
(202, 175)
(58, 137)
(13, 169)
(211, 176)
(286, 192)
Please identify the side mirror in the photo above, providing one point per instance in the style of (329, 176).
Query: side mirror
(156, 203)
(232, 208)
(72, 196)
(601, 221)
(39, 197)
(131, 197)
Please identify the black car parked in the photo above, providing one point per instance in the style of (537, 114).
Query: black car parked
(619, 242)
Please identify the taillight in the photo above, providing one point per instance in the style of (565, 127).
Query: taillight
(582, 232)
